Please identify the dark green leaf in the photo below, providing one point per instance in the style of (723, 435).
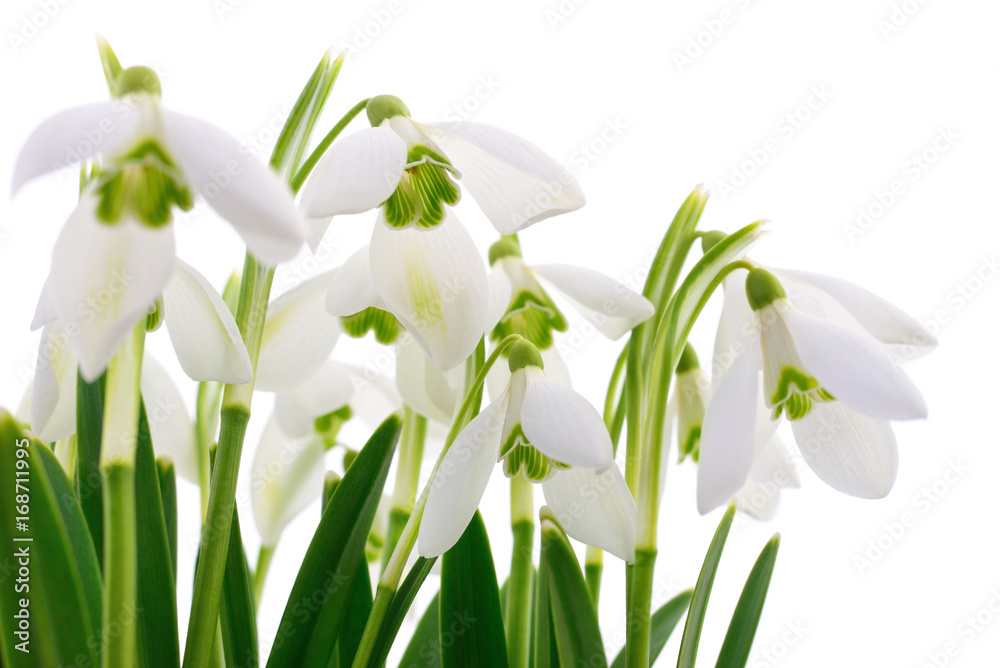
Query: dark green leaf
(359, 607)
(89, 423)
(424, 649)
(663, 623)
(157, 638)
(58, 612)
(236, 612)
(336, 550)
(577, 634)
(471, 623)
(401, 602)
(168, 495)
(702, 590)
(743, 627)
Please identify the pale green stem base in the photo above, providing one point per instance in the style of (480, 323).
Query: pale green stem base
(260, 575)
(518, 617)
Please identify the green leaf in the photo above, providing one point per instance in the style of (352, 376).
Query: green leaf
(702, 590)
(58, 612)
(168, 496)
(82, 549)
(577, 634)
(236, 611)
(336, 550)
(424, 648)
(543, 638)
(157, 639)
(662, 625)
(359, 607)
(471, 622)
(400, 603)
(739, 638)
(89, 423)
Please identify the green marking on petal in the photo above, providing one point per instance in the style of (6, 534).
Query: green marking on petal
(796, 393)
(533, 316)
(535, 466)
(792, 378)
(689, 444)
(154, 316)
(385, 325)
(329, 425)
(146, 184)
(423, 192)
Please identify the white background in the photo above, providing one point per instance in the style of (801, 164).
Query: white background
(607, 77)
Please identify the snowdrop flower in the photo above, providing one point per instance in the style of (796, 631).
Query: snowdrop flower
(424, 265)
(287, 471)
(117, 248)
(201, 328)
(773, 470)
(549, 434)
(519, 304)
(828, 370)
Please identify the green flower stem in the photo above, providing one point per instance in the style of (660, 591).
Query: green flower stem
(518, 611)
(307, 166)
(640, 596)
(206, 421)
(250, 314)
(411, 453)
(260, 575)
(118, 438)
(393, 572)
(593, 568)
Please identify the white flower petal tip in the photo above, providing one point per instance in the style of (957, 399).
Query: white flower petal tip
(243, 191)
(853, 453)
(594, 506)
(53, 392)
(773, 470)
(515, 183)
(170, 425)
(423, 386)
(299, 335)
(356, 174)
(460, 482)
(563, 425)
(853, 368)
(103, 280)
(203, 331)
(611, 306)
(433, 281)
(352, 290)
(726, 450)
(71, 136)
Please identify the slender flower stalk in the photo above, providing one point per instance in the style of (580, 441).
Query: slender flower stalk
(118, 438)
(404, 495)
(518, 610)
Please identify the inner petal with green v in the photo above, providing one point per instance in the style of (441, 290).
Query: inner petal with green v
(424, 191)
(144, 184)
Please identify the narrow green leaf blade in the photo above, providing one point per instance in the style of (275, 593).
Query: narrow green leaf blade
(236, 612)
(702, 590)
(336, 549)
(662, 625)
(359, 607)
(743, 627)
(578, 635)
(168, 495)
(424, 648)
(471, 622)
(401, 602)
(82, 549)
(89, 423)
(157, 639)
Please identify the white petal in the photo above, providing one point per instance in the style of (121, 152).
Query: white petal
(203, 331)
(852, 453)
(327, 390)
(71, 136)
(169, 423)
(375, 395)
(563, 425)
(353, 290)
(611, 306)
(727, 437)
(460, 482)
(772, 471)
(422, 385)
(299, 335)
(514, 182)
(854, 369)
(434, 282)
(240, 189)
(499, 297)
(285, 477)
(736, 324)
(356, 174)
(595, 507)
(883, 320)
(104, 279)
(53, 394)
(45, 309)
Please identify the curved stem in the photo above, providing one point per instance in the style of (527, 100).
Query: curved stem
(310, 162)
(404, 494)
